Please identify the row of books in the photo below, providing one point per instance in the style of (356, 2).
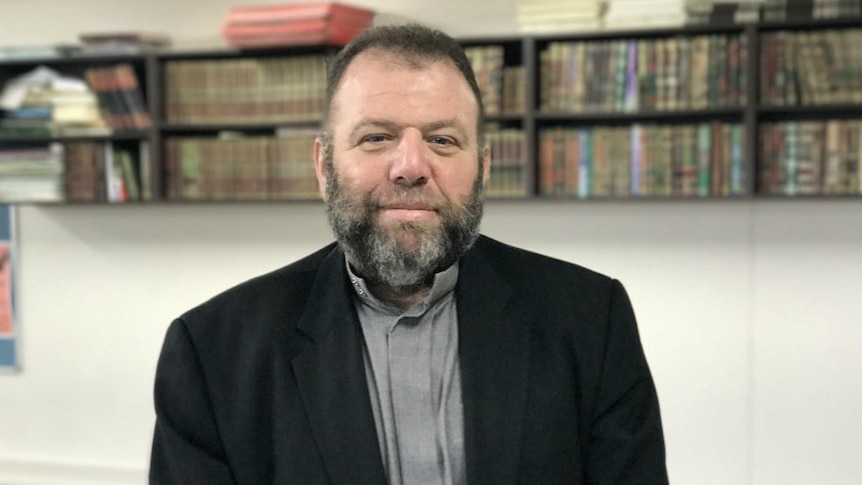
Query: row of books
(812, 67)
(721, 12)
(242, 168)
(508, 177)
(120, 96)
(637, 75)
(503, 87)
(811, 158)
(252, 90)
(691, 160)
(99, 171)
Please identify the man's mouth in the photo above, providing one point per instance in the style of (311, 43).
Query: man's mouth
(409, 211)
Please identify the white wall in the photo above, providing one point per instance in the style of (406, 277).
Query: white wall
(748, 310)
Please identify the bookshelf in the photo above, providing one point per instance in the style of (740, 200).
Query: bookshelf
(569, 116)
(501, 71)
(643, 114)
(239, 125)
(53, 134)
(809, 115)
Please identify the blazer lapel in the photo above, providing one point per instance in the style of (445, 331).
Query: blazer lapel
(493, 349)
(330, 374)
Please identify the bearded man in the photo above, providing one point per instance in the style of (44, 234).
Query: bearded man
(412, 350)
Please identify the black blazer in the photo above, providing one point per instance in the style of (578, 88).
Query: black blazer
(265, 383)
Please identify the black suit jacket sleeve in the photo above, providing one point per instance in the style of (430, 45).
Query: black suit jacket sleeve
(186, 445)
(555, 384)
(626, 444)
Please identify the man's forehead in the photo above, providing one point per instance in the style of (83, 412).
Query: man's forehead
(397, 59)
(372, 65)
(365, 70)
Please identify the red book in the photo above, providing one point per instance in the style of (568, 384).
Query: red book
(296, 12)
(327, 35)
(291, 28)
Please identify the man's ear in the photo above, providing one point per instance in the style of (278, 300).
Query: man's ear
(320, 166)
(486, 165)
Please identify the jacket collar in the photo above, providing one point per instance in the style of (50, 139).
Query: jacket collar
(493, 341)
(330, 375)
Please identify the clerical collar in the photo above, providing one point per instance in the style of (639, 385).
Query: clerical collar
(444, 283)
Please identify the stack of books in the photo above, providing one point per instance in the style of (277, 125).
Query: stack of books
(538, 16)
(77, 113)
(294, 24)
(111, 43)
(32, 174)
(720, 12)
(42, 103)
(30, 52)
(636, 14)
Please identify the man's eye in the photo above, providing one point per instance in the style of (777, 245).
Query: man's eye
(441, 140)
(374, 139)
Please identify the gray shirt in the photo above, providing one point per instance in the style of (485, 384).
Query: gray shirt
(411, 365)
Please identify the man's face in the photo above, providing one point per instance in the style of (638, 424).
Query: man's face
(401, 172)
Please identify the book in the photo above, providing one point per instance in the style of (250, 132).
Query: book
(128, 175)
(131, 36)
(231, 31)
(145, 170)
(309, 33)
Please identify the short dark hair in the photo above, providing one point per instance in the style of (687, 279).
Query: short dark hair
(413, 43)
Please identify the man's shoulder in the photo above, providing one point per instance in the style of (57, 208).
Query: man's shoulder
(542, 283)
(519, 263)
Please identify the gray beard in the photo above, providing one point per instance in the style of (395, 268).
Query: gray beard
(378, 256)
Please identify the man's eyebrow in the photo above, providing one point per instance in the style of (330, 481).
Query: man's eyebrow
(365, 124)
(452, 123)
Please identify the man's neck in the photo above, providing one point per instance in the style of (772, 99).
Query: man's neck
(405, 297)
(402, 297)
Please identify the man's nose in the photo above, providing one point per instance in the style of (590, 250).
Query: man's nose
(411, 165)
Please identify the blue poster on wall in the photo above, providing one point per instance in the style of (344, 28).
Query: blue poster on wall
(8, 350)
